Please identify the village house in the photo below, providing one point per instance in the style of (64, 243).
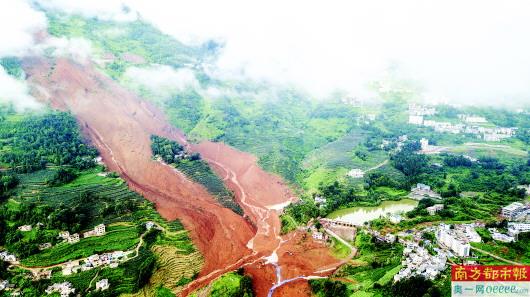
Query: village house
(64, 289)
(4, 284)
(99, 230)
(432, 210)
(25, 228)
(149, 225)
(44, 246)
(64, 235)
(356, 173)
(526, 188)
(472, 118)
(515, 211)
(423, 191)
(320, 200)
(421, 110)
(73, 238)
(102, 285)
(395, 218)
(7, 257)
(415, 119)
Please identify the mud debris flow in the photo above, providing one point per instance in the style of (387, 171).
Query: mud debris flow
(119, 123)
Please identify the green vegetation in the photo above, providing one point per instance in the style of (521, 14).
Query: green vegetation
(12, 66)
(196, 169)
(69, 195)
(122, 39)
(30, 143)
(232, 285)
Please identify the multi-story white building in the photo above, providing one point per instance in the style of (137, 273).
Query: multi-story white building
(519, 227)
(448, 238)
(513, 211)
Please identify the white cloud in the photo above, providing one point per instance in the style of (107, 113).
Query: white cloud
(114, 10)
(473, 51)
(161, 80)
(466, 50)
(19, 22)
(13, 91)
(78, 49)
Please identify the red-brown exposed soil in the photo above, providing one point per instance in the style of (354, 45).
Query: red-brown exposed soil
(119, 123)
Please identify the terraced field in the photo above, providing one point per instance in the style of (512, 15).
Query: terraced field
(173, 270)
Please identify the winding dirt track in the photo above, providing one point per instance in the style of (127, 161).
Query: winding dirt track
(120, 124)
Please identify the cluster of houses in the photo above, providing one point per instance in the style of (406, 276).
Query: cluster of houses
(418, 261)
(421, 191)
(432, 210)
(470, 125)
(64, 289)
(99, 230)
(457, 238)
(107, 259)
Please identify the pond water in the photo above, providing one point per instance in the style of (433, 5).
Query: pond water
(361, 214)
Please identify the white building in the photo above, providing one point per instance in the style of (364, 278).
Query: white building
(102, 285)
(356, 173)
(25, 228)
(500, 236)
(99, 230)
(149, 225)
(395, 218)
(513, 211)
(7, 257)
(473, 118)
(424, 144)
(320, 200)
(447, 237)
(318, 235)
(64, 235)
(432, 210)
(415, 119)
(519, 227)
(64, 289)
(423, 191)
(73, 238)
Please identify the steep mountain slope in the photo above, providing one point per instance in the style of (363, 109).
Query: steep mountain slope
(120, 125)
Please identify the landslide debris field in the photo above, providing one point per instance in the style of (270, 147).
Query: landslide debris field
(120, 124)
